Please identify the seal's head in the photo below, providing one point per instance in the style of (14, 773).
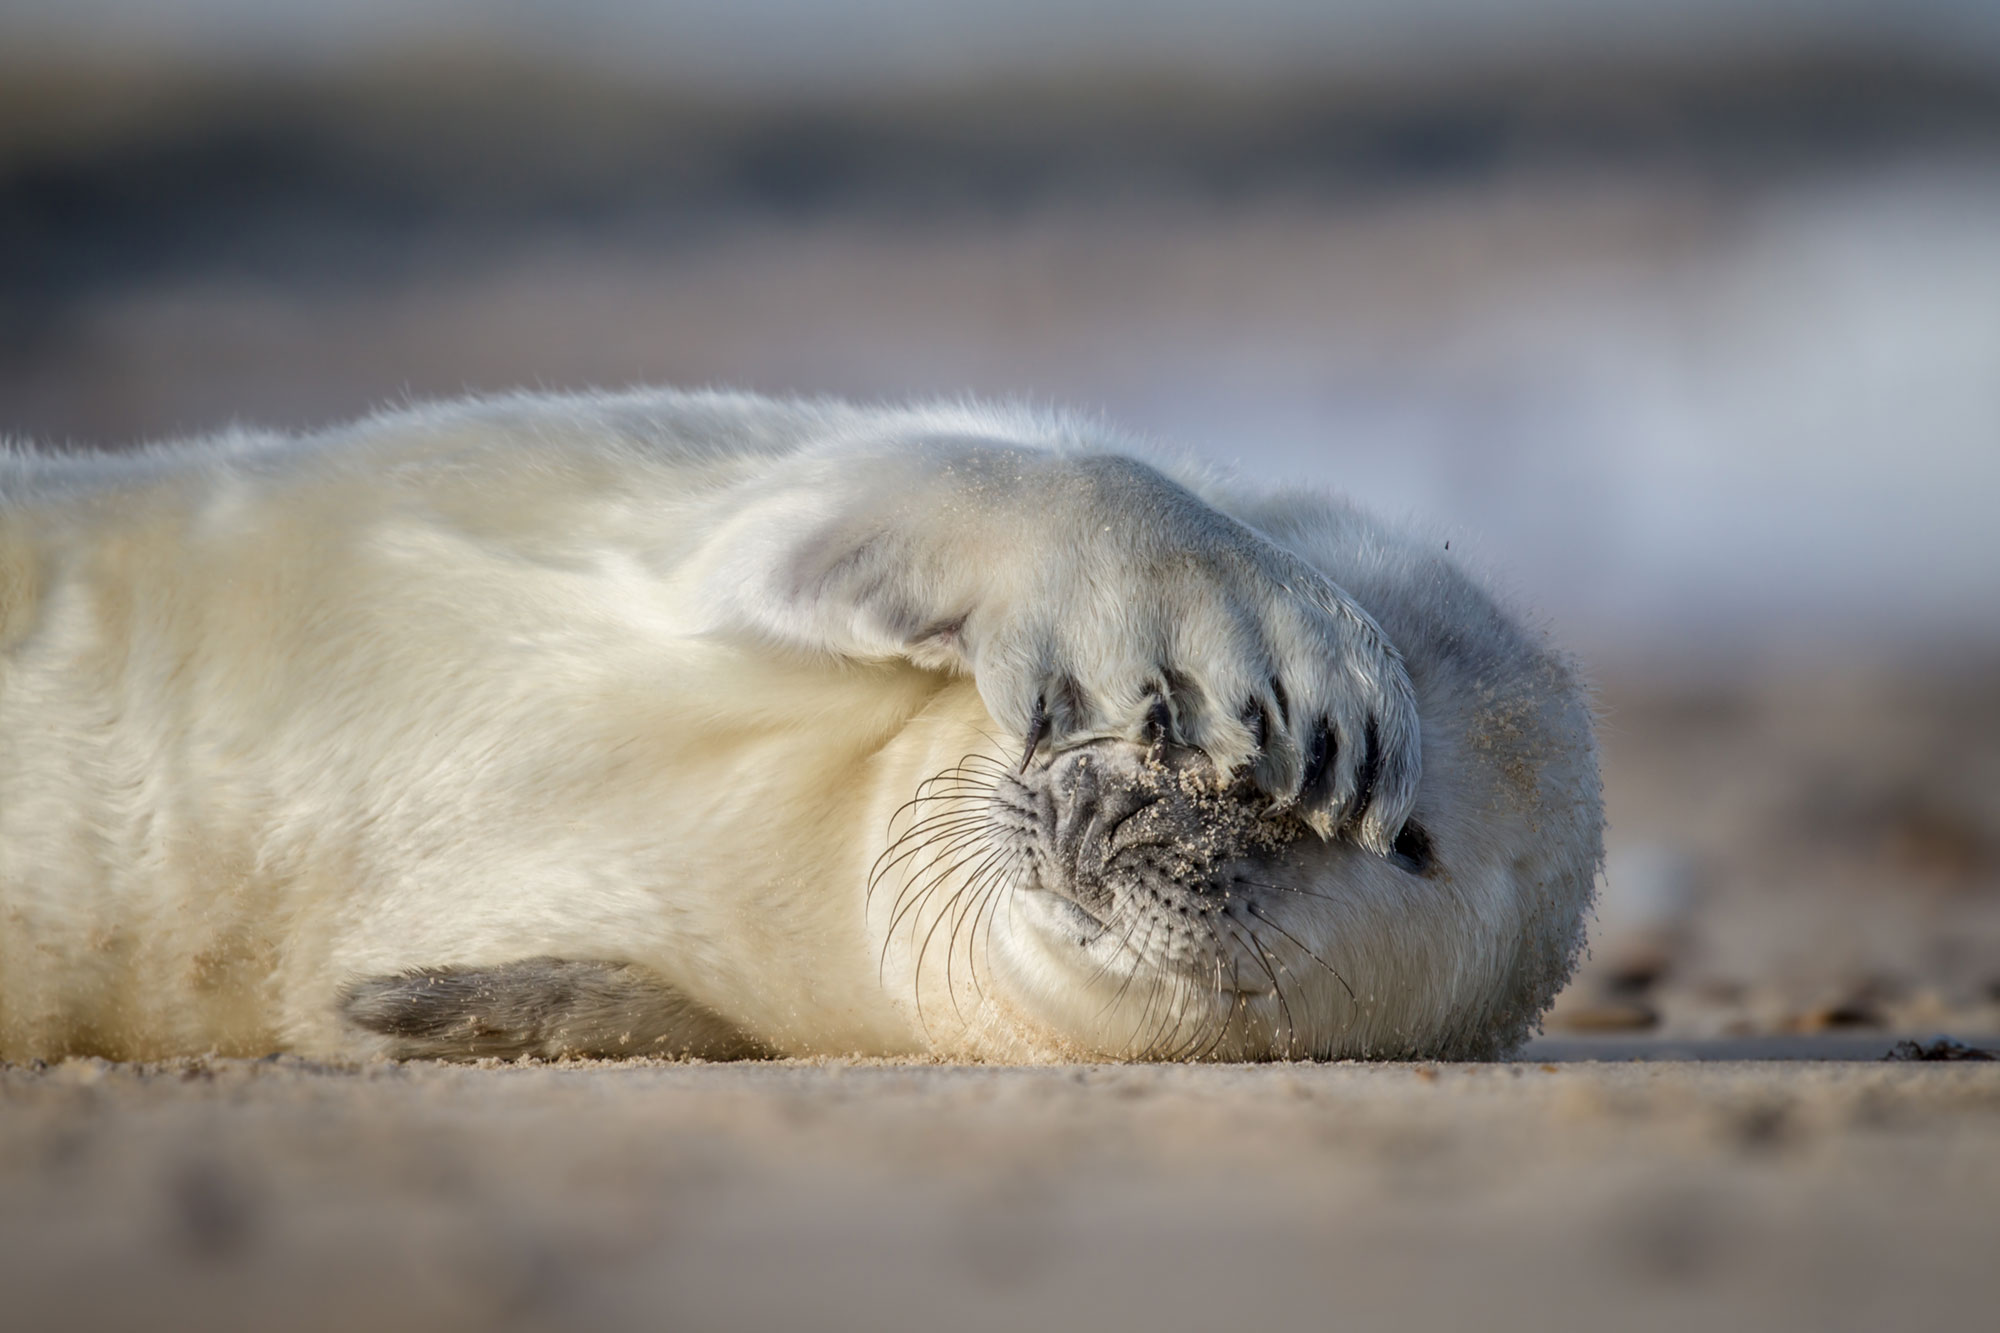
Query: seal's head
(1122, 898)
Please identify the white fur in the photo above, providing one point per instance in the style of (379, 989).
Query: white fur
(647, 677)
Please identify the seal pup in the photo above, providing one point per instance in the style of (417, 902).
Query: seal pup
(706, 724)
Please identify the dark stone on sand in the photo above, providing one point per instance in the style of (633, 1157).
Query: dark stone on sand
(1942, 1048)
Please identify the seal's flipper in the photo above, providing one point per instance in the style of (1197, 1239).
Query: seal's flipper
(546, 1007)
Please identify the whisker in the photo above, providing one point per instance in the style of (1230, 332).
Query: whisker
(923, 828)
(1188, 1017)
(1124, 948)
(944, 912)
(1215, 994)
(917, 968)
(1134, 1047)
(918, 891)
(1285, 888)
(1161, 979)
(1257, 955)
(942, 823)
(1252, 907)
(949, 871)
(1167, 1042)
(943, 832)
(1003, 886)
(1237, 1006)
(1272, 956)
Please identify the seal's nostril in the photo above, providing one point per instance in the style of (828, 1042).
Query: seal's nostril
(1112, 811)
(1075, 790)
(1090, 809)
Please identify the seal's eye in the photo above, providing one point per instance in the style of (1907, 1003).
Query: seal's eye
(1412, 849)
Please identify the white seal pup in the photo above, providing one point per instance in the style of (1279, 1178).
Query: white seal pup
(708, 724)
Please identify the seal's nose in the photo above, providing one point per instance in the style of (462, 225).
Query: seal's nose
(1092, 799)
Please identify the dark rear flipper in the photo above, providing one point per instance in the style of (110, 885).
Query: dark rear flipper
(546, 1007)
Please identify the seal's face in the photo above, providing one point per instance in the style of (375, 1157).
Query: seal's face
(1126, 899)
(1131, 901)
(1194, 914)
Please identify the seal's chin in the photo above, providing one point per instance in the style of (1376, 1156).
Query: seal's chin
(1060, 918)
(1114, 958)
(1085, 985)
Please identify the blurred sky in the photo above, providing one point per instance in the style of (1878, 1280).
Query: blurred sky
(1783, 432)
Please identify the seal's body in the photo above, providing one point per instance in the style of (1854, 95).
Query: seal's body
(710, 724)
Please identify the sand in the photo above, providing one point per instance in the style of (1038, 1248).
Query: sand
(231, 1194)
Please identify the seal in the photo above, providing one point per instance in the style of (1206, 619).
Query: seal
(706, 724)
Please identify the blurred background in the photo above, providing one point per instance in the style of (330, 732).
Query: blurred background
(1681, 320)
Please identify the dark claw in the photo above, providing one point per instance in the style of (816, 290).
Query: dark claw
(1259, 722)
(1038, 731)
(1319, 758)
(1371, 767)
(1159, 722)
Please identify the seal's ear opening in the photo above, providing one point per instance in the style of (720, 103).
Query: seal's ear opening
(1411, 850)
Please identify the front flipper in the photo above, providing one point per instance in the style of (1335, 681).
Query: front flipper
(1090, 596)
(546, 1007)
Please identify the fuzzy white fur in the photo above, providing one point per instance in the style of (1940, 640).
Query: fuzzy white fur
(646, 678)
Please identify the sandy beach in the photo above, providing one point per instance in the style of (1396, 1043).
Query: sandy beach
(1537, 1194)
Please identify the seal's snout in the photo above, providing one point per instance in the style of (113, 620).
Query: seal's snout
(1150, 861)
(1093, 799)
(1116, 819)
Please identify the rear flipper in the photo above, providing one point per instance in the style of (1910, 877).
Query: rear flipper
(547, 1007)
